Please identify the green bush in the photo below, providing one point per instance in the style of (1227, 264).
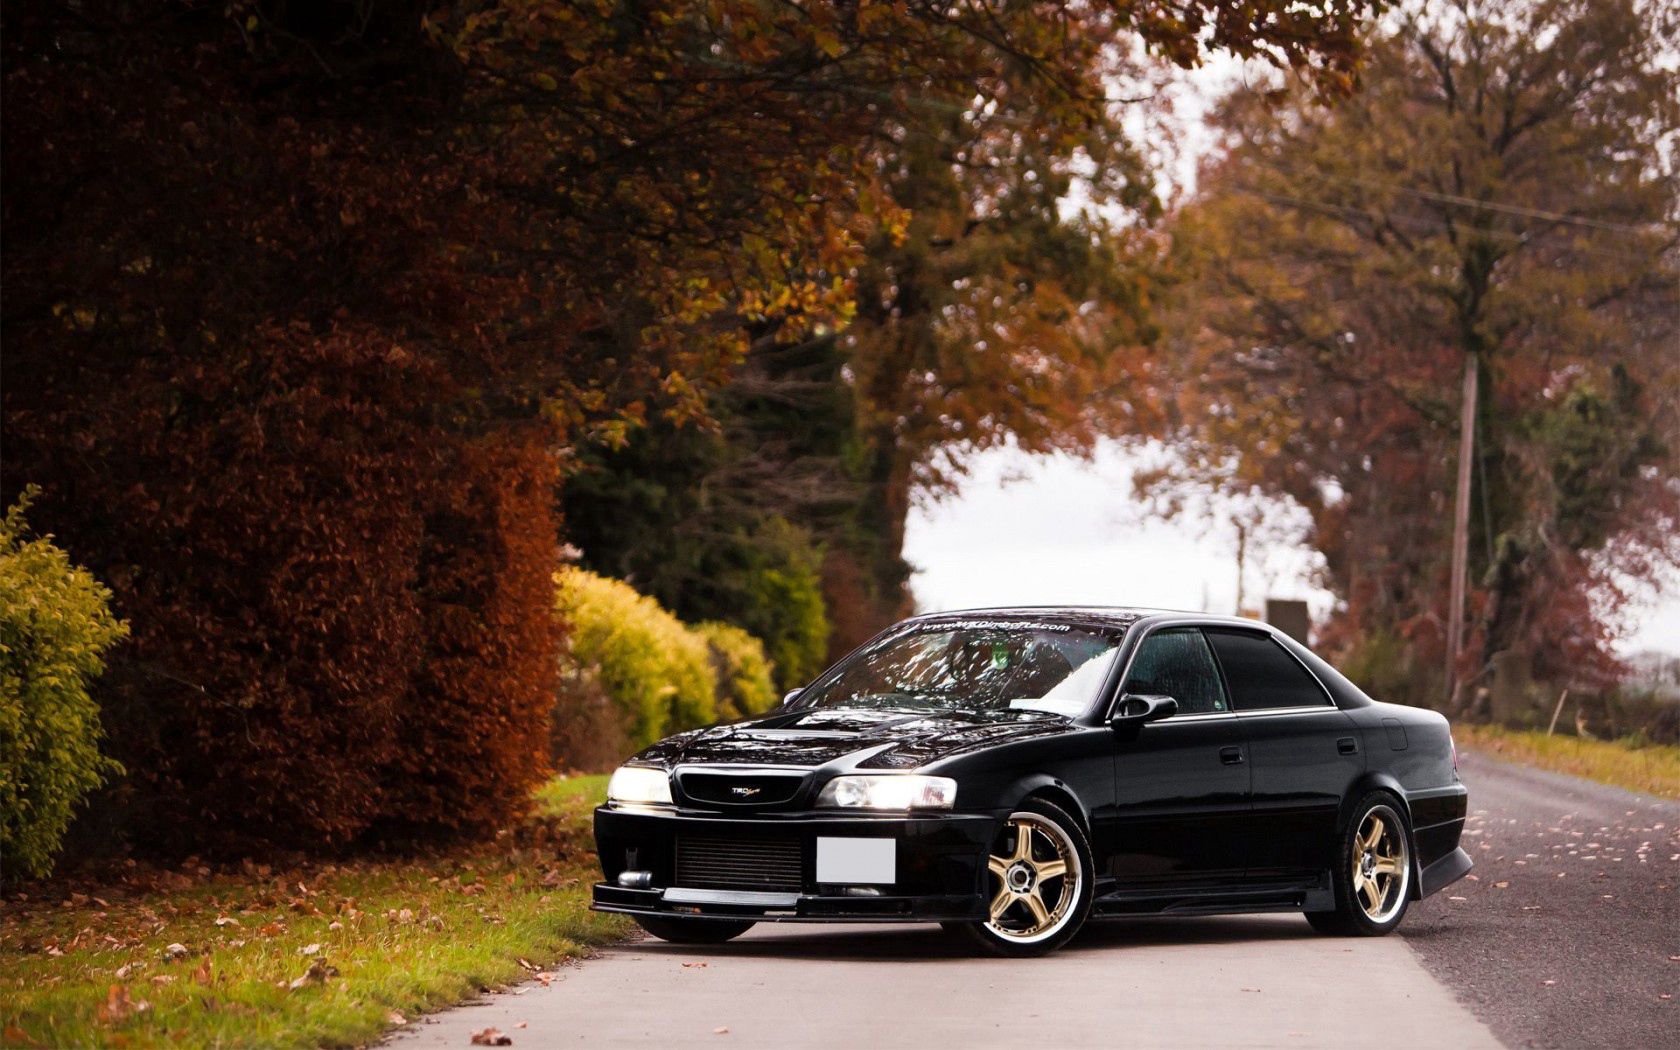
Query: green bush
(55, 625)
(743, 671)
(783, 602)
(655, 669)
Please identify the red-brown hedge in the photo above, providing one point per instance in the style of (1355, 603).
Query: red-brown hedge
(270, 382)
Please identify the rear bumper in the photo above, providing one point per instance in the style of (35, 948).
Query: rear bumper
(1444, 872)
(939, 862)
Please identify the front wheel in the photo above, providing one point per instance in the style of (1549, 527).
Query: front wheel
(1373, 873)
(692, 931)
(1039, 874)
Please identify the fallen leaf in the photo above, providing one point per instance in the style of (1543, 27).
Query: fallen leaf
(175, 951)
(696, 965)
(1458, 898)
(119, 1007)
(527, 964)
(310, 949)
(317, 973)
(491, 1037)
(392, 1017)
(202, 975)
(1501, 885)
(1548, 984)
(721, 1029)
(225, 920)
(163, 979)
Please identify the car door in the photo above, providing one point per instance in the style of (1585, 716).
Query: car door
(1303, 752)
(1181, 783)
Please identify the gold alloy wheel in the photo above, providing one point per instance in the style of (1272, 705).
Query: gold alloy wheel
(1380, 868)
(1037, 873)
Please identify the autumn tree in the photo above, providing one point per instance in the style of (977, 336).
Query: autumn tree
(308, 305)
(1502, 193)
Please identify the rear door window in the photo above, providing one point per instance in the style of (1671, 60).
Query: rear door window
(1261, 674)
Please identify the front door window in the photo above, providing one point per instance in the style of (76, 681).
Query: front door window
(1177, 662)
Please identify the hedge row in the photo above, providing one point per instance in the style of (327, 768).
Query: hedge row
(658, 674)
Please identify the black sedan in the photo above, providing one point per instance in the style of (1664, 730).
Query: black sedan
(1011, 772)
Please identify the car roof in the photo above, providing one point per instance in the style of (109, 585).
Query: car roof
(1105, 616)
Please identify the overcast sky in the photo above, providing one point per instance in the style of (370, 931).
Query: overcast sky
(1035, 530)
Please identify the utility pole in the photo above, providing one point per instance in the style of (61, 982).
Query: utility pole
(1461, 522)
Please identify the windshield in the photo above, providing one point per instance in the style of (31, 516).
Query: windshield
(975, 667)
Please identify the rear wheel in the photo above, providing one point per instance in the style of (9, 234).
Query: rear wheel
(1373, 874)
(1039, 881)
(680, 930)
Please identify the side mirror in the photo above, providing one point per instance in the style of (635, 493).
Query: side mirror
(1135, 710)
(792, 695)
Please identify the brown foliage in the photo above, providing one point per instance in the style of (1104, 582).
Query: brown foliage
(1504, 187)
(299, 297)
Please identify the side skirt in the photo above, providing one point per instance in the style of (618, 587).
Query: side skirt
(1316, 896)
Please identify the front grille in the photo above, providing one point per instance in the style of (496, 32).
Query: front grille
(741, 789)
(714, 862)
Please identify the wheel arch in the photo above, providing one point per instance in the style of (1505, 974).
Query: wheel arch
(1378, 780)
(1055, 791)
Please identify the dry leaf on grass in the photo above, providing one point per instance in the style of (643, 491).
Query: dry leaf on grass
(392, 1017)
(491, 1037)
(317, 973)
(119, 1007)
(203, 974)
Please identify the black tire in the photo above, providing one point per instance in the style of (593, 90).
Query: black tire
(682, 930)
(1073, 903)
(1379, 902)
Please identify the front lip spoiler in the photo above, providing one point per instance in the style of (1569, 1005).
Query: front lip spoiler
(783, 907)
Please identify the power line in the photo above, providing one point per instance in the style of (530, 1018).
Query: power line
(1472, 202)
(1416, 224)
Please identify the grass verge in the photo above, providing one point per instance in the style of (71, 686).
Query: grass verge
(314, 955)
(1650, 768)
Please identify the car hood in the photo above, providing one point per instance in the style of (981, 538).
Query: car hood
(867, 739)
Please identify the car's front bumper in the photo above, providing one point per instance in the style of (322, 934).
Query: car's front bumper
(939, 861)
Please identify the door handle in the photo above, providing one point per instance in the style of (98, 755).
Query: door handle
(1347, 745)
(1231, 756)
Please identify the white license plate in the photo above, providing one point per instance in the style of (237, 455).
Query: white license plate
(857, 861)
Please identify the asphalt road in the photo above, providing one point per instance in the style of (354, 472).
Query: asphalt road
(1470, 971)
(1238, 981)
(1567, 934)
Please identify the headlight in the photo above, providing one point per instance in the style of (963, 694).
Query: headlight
(640, 785)
(901, 791)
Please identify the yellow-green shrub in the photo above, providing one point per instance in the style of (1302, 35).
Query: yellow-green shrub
(55, 625)
(745, 686)
(655, 669)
